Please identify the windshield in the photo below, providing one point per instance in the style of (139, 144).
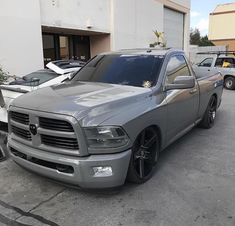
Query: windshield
(42, 76)
(132, 70)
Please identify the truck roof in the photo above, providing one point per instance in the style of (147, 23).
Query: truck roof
(142, 51)
(221, 56)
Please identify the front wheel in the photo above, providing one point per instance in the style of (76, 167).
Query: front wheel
(229, 83)
(210, 114)
(144, 156)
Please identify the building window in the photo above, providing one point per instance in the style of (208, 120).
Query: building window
(48, 48)
(64, 47)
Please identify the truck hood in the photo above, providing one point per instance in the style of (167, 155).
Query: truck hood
(90, 103)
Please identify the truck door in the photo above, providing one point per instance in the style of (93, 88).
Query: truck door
(204, 68)
(182, 104)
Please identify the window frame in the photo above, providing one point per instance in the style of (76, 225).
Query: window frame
(165, 74)
(199, 65)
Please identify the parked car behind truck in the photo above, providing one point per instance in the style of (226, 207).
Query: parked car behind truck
(217, 61)
(55, 73)
(110, 122)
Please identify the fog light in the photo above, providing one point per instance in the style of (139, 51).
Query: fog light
(102, 171)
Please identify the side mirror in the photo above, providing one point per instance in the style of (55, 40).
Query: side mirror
(182, 82)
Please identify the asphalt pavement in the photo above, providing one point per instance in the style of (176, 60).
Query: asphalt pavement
(193, 184)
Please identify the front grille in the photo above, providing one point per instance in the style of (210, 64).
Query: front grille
(21, 133)
(55, 124)
(60, 142)
(20, 117)
(52, 133)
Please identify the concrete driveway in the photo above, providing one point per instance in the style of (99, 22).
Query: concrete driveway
(194, 184)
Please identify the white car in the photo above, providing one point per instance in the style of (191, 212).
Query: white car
(56, 72)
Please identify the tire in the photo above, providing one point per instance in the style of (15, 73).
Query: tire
(210, 114)
(229, 83)
(144, 156)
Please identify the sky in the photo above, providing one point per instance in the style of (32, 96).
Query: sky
(200, 10)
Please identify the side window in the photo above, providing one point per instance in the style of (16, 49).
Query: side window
(206, 63)
(176, 67)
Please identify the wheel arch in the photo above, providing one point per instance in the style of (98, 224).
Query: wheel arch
(216, 97)
(157, 129)
(228, 75)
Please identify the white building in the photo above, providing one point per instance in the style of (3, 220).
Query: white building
(36, 31)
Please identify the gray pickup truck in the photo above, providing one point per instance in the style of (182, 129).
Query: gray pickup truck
(110, 122)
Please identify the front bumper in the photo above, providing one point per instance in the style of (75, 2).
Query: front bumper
(82, 175)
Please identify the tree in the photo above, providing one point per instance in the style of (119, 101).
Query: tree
(205, 41)
(197, 39)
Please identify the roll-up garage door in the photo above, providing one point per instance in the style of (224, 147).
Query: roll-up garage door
(174, 28)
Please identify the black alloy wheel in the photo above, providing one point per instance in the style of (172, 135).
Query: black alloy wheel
(210, 114)
(144, 155)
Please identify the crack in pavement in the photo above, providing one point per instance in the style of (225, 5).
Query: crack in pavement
(23, 213)
(7, 221)
(47, 200)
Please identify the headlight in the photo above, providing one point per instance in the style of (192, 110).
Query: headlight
(106, 137)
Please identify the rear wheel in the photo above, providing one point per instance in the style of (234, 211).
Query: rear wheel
(229, 83)
(144, 155)
(210, 114)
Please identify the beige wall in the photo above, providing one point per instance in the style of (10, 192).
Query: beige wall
(99, 44)
(230, 44)
(221, 26)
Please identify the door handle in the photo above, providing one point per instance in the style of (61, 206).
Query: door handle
(192, 91)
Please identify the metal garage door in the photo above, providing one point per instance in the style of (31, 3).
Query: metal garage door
(174, 28)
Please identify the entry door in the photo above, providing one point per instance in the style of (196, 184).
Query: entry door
(182, 104)
(174, 28)
(81, 48)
